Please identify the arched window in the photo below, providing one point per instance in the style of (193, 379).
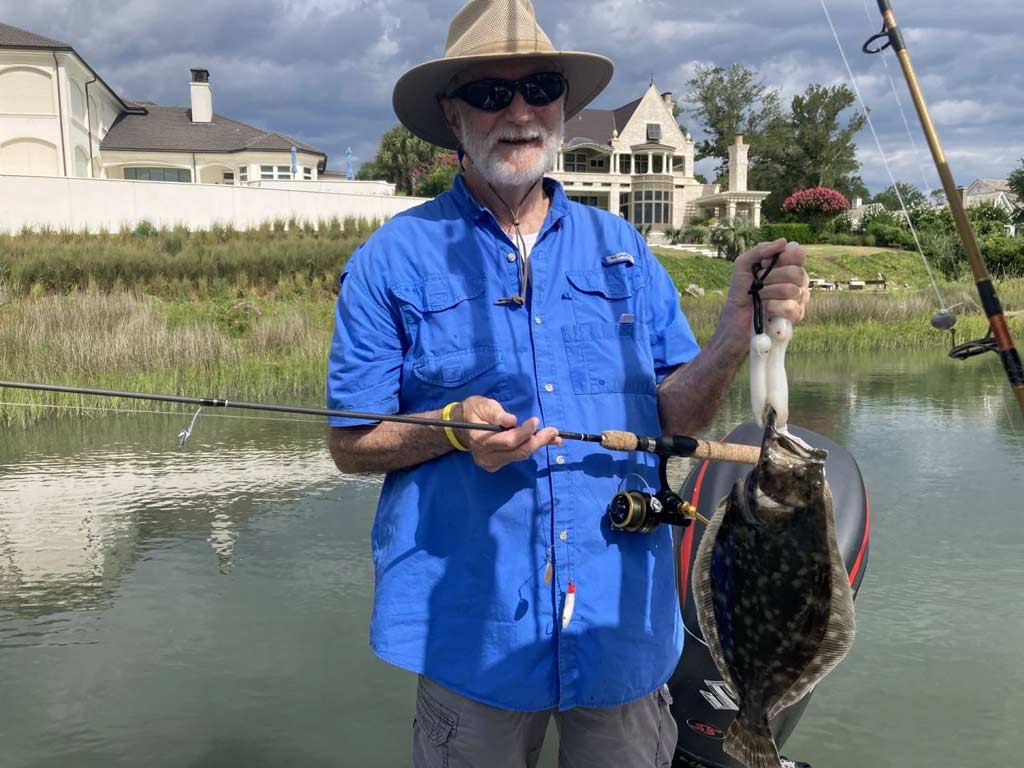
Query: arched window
(26, 91)
(29, 157)
(81, 162)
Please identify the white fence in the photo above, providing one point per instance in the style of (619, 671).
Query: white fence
(93, 204)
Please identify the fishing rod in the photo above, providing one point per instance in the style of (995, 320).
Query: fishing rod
(986, 290)
(612, 440)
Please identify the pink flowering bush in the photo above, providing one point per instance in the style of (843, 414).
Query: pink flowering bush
(815, 204)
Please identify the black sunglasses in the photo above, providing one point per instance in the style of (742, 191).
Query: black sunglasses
(494, 94)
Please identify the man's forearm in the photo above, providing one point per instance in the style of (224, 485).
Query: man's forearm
(387, 446)
(689, 397)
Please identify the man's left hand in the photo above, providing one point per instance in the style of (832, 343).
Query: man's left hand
(785, 292)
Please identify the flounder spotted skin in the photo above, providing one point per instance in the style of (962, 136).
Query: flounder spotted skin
(772, 594)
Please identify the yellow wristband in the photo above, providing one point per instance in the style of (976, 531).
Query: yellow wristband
(446, 415)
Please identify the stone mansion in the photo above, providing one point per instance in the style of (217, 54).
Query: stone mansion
(637, 162)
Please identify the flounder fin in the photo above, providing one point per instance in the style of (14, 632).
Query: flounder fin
(752, 744)
(841, 623)
(700, 579)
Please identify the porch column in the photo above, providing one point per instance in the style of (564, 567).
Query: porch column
(632, 163)
(613, 200)
(757, 214)
(650, 163)
(731, 211)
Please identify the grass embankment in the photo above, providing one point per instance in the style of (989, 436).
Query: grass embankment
(249, 315)
(896, 318)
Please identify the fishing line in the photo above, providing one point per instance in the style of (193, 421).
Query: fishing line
(206, 414)
(899, 103)
(881, 152)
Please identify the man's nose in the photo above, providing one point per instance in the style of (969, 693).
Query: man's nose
(519, 111)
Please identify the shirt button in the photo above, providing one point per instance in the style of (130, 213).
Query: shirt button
(537, 320)
(560, 460)
(511, 257)
(549, 387)
(563, 535)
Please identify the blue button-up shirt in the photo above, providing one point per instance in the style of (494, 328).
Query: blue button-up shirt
(462, 556)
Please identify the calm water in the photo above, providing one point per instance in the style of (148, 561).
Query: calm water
(209, 606)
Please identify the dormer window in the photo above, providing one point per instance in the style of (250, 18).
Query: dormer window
(654, 131)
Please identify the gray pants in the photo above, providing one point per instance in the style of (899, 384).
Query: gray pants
(452, 731)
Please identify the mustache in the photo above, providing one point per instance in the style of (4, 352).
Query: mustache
(517, 134)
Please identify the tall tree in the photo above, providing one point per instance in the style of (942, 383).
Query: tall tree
(912, 197)
(726, 102)
(1016, 182)
(400, 152)
(809, 147)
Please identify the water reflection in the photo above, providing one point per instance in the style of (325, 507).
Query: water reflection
(209, 606)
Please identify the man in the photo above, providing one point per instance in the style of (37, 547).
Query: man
(498, 578)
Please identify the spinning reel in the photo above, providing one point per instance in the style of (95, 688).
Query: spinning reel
(643, 511)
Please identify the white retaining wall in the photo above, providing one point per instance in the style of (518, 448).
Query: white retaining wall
(92, 204)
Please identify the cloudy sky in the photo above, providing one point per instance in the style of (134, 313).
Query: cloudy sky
(323, 70)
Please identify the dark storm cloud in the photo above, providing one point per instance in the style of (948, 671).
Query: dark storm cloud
(323, 71)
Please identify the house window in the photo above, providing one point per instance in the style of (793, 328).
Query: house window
(598, 163)
(624, 164)
(659, 161)
(307, 174)
(624, 205)
(266, 172)
(575, 162)
(243, 174)
(654, 131)
(182, 175)
(591, 200)
(284, 171)
(641, 164)
(229, 177)
(652, 205)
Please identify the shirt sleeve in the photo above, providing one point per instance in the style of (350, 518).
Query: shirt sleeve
(364, 370)
(672, 341)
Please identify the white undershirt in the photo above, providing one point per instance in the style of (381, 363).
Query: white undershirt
(530, 241)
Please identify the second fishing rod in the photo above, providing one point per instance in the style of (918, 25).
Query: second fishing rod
(612, 440)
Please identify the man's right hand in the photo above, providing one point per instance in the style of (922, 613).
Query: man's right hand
(493, 450)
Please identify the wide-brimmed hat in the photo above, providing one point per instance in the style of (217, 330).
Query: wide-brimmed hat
(491, 30)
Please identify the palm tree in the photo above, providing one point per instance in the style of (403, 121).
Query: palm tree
(399, 153)
(733, 236)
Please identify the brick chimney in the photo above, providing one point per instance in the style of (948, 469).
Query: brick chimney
(202, 97)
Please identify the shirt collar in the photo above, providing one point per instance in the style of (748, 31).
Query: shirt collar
(472, 208)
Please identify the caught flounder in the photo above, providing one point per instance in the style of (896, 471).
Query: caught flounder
(772, 593)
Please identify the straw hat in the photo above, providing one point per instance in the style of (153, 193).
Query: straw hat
(491, 30)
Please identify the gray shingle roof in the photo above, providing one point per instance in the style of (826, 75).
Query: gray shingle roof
(15, 37)
(170, 129)
(597, 125)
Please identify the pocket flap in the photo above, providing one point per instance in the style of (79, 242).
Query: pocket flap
(438, 292)
(614, 282)
(454, 369)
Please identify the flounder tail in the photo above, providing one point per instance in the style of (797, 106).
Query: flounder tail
(752, 744)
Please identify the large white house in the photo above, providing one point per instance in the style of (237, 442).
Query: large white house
(636, 161)
(59, 118)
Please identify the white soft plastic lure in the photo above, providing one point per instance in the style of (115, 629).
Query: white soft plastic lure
(769, 387)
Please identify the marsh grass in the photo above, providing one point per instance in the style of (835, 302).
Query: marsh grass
(248, 315)
(119, 341)
(177, 263)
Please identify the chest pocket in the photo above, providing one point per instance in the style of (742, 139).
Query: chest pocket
(609, 349)
(451, 352)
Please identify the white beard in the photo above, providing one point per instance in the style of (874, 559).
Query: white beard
(501, 173)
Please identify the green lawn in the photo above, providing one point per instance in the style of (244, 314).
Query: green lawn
(830, 262)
